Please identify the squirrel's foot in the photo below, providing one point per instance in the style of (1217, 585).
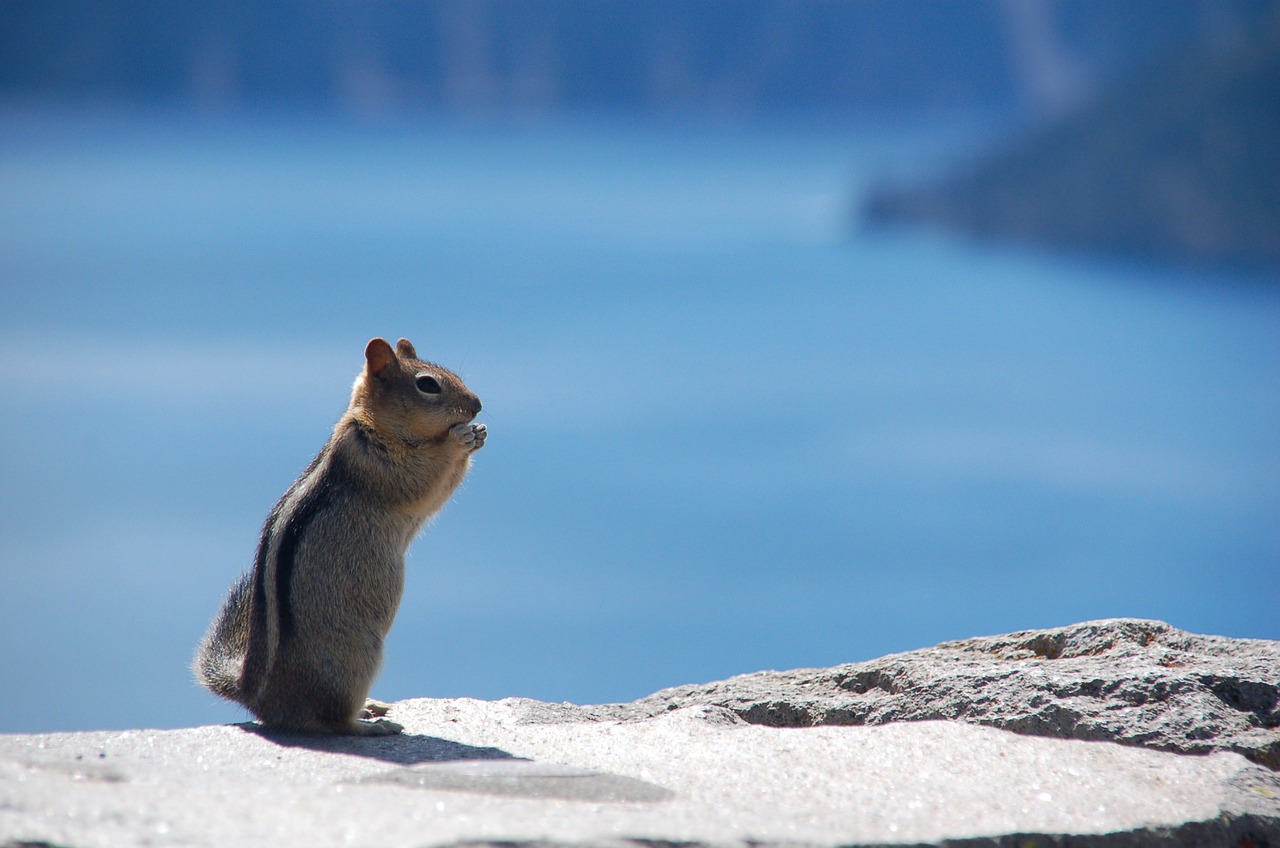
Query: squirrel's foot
(374, 709)
(376, 727)
(469, 436)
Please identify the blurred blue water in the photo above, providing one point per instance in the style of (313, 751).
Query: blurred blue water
(727, 433)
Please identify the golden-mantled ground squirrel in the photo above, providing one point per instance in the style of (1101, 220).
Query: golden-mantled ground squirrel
(299, 639)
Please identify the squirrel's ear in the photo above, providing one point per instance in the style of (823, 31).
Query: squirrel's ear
(378, 357)
(405, 348)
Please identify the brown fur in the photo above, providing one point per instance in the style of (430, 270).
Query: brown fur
(299, 639)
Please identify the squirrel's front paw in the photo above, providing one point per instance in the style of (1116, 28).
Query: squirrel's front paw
(469, 436)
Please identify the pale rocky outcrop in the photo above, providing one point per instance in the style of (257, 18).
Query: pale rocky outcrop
(858, 762)
(1131, 681)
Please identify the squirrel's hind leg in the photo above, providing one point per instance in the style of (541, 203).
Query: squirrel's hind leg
(356, 726)
(373, 727)
(374, 708)
(369, 721)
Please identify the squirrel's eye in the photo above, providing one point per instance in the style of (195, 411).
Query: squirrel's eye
(428, 385)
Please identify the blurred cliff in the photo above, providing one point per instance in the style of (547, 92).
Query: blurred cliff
(1145, 126)
(739, 59)
(1179, 160)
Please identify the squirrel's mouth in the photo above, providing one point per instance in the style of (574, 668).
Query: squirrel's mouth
(464, 418)
(469, 411)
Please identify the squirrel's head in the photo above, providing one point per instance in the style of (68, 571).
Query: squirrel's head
(400, 395)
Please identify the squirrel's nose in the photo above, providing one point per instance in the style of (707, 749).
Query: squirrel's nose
(475, 405)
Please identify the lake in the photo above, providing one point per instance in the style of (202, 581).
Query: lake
(729, 429)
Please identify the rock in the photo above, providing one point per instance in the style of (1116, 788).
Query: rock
(473, 772)
(1131, 681)
(675, 768)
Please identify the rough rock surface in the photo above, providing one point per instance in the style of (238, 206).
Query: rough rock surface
(1131, 681)
(519, 772)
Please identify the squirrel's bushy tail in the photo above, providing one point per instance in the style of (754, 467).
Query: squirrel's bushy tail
(219, 660)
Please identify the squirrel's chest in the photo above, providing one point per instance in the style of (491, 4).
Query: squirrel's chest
(435, 485)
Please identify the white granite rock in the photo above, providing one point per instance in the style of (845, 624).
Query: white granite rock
(1134, 681)
(685, 766)
(474, 772)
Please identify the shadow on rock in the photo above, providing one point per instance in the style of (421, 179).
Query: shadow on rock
(403, 749)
